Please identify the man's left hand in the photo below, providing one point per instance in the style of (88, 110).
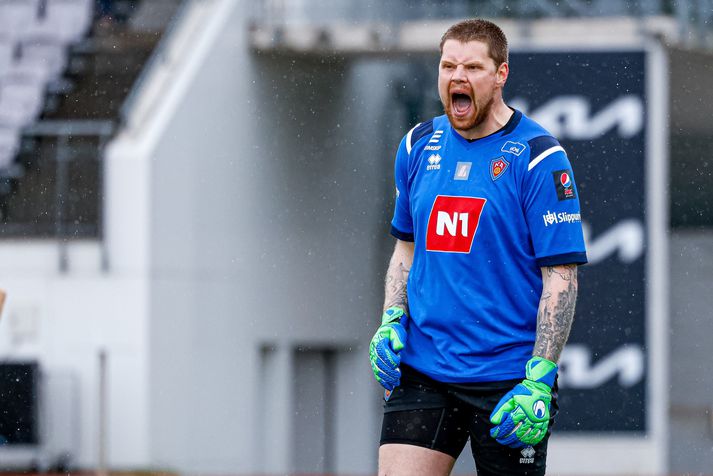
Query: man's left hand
(522, 416)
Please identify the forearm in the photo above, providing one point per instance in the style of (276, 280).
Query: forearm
(556, 311)
(397, 276)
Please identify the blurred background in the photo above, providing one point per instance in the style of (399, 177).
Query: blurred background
(195, 200)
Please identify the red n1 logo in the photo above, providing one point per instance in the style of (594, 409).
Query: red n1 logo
(453, 223)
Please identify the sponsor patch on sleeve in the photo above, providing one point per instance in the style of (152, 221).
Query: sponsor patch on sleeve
(554, 218)
(564, 184)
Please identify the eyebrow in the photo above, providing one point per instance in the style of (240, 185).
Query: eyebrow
(469, 63)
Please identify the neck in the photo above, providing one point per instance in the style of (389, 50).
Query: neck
(499, 115)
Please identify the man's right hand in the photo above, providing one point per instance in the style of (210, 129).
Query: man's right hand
(385, 346)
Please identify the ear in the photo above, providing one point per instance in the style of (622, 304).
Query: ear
(501, 74)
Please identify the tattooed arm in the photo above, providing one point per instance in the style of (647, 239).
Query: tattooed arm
(397, 276)
(556, 311)
(390, 337)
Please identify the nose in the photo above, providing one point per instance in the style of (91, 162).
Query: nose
(459, 73)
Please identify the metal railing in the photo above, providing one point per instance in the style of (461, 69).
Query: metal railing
(59, 192)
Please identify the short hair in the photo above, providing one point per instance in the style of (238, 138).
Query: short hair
(477, 29)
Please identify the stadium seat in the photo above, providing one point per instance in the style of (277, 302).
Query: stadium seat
(21, 100)
(7, 48)
(45, 55)
(33, 70)
(9, 144)
(16, 15)
(67, 20)
(34, 39)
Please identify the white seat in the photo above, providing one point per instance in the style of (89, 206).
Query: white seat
(17, 15)
(35, 71)
(7, 49)
(21, 100)
(6, 158)
(42, 55)
(9, 145)
(67, 20)
(14, 113)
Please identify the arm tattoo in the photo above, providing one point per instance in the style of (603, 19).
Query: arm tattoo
(396, 279)
(556, 311)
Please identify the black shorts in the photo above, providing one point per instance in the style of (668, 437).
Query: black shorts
(441, 416)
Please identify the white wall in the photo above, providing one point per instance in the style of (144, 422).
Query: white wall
(265, 218)
(63, 320)
(690, 439)
(266, 228)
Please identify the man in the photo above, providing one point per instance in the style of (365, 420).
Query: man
(481, 287)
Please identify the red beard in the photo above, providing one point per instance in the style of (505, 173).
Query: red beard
(476, 117)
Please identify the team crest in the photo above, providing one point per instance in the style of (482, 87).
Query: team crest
(498, 167)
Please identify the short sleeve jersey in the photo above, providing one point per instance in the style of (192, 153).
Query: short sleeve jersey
(485, 216)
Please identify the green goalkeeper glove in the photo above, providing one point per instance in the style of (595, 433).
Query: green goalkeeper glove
(522, 416)
(384, 349)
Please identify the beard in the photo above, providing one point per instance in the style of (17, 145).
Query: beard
(477, 115)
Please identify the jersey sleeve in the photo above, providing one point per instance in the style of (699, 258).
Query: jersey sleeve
(551, 205)
(402, 223)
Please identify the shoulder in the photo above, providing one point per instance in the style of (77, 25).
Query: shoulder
(422, 132)
(533, 139)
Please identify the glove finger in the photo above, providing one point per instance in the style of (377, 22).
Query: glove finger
(392, 375)
(504, 406)
(387, 377)
(387, 382)
(385, 365)
(535, 435)
(532, 437)
(386, 355)
(526, 431)
(505, 428)
(388, 385)
(510, 438)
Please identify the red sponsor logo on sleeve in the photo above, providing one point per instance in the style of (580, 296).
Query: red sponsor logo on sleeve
(453, 223)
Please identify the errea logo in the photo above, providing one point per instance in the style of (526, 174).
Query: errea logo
(528, 455)
(434, 162)
(453, 223)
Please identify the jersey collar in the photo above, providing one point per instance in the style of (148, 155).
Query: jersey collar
(503, 131)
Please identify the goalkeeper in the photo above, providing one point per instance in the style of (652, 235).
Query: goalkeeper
(482, 284)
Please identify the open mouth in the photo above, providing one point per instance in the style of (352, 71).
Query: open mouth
(461, 103)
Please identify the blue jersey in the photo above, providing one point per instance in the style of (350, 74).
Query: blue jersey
(485, 216)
